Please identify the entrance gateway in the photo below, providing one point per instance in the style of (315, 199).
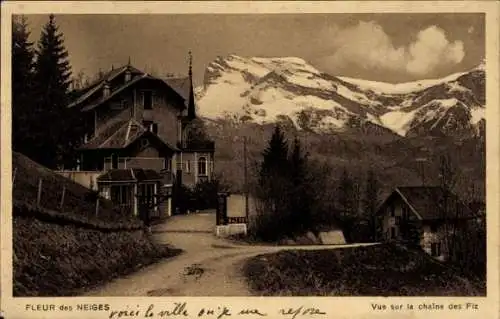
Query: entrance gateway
(226, 225)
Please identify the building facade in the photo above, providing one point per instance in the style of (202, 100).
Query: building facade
(423, 216)
(134, 120)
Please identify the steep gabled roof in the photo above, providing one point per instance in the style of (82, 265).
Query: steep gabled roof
(428, 202)
(137, 75)
(116, 135)
(120, 135)
(127, 85)
(85, 93)
(180, 85)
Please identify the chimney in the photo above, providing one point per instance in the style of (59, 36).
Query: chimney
(106, 90)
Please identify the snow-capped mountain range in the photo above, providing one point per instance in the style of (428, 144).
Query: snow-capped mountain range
(266, 90)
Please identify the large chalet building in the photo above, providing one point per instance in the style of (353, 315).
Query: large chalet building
(140, 137)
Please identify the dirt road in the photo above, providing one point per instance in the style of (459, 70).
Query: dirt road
(209, 266)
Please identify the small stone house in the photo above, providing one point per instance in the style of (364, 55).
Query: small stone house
(422, 216)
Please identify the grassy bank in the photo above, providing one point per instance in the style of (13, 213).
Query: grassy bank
(53, 259)
(60, 245)
(382, 270)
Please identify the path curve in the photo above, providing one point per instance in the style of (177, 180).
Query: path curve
(209, 266)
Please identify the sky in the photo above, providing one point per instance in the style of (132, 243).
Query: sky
(388, 47)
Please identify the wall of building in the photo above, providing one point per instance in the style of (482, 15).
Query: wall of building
(85, 178)
(429, 237)
(390, 221)
(191, 177)
(163, 112)
(142, 162)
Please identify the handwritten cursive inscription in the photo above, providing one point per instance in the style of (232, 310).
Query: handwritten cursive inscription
(252, 312)
(301, 311)
(179, 310)
(219, 312)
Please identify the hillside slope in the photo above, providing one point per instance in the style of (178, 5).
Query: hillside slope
(62, 252)
(79, 201)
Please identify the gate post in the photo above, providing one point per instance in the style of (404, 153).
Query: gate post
(221, 212)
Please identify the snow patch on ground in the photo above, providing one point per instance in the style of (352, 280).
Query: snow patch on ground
(456, 87)
(329, 122)
(399, 88)
(398, 121)
(224, 96)
(477, 114)
(246, 65)
(305, 81)
(355, 96)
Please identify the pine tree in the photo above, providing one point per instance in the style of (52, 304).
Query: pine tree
(22, 85)
(370, 202)
(55, 122)
(275, 156)
(273, 186)
(300, 197)
(345, 191)
(348, 203)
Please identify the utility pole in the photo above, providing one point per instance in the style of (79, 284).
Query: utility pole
(245, 174)
(422, 160)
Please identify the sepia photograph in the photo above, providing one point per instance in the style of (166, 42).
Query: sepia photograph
(321, 154)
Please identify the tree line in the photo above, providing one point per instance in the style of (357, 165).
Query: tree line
(295, 195)
(43, 127)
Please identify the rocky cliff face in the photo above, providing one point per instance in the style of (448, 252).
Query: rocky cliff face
(267, 90)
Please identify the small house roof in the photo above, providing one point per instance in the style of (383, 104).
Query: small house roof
(131, 175)
(428, 202)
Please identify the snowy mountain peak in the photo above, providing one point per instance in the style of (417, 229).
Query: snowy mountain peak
(270, 89)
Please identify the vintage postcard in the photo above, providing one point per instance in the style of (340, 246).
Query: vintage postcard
(254, 159)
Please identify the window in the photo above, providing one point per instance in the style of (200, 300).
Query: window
(397, 220)
(118, 105)
(121, 162)
(151, 126)
(436, 249)
(188, 166)
(122, 195)
(202, 166)
(393, 210)
(108, 163)
(146, 193)
(114, 161)
(148, 100)
(144, 142)
(167, 165)
(393, 232)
